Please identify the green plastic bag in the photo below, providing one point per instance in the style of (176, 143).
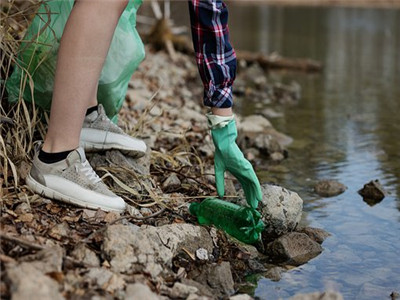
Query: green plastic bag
(38, 57)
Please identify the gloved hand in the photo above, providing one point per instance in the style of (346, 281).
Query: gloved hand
(228, 157)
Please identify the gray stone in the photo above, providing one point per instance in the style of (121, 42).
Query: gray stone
(294, 248)
(329, 188)
(277, 156)
(180, 290)
(145, 211)
(394, 295)
(172, 183)
(202, 254)
(22, 208)
(197, 297)
(257, 132)
(373, 192)
(230, 189)
(138, 169)
(265, 143)
(105, 279)
(151, 249)
(318, 296)
(85, 255)
(316, 234)
(270, 113)
(138, 291)
(254, 123)
(217, 276)
(241, 297)
(274, 273)
(192, 115)
(281, 210)
(47, 260)
(28, 282)
(245, 248)
(203, 290)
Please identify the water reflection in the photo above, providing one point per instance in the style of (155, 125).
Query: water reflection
(346, 127)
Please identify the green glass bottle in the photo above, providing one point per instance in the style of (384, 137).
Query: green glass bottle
(243, 223)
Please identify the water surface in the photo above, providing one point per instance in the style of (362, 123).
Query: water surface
(346, 127)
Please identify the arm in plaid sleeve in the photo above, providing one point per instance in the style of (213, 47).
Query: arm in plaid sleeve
(215, 57)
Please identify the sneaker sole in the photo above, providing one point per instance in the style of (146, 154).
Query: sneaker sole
(93, 147)
(52, 194)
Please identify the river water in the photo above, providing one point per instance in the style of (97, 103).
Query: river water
(346, 127)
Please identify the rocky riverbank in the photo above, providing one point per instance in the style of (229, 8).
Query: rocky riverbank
(157, 250)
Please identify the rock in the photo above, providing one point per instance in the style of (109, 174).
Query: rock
(202, 254)
(257, 132)
(180, 290)
(280, 208)
(255, 266)
(277, 156)
(151, 249)
(316, 234)
(27, 282)
(192, 115)
(105, 279)
(220, 277)
(138, 169)
(230, 189)
(372, 192)
(286, 94)
(202, 289)
(274, 273)
(294, 248)
(282, 139)
(241, 297)
(216, 276)
(245, 248)
(254, 123)
(172, 183)
(145, 211)
(85, 255)
(48, 260)
(22, 208)
(139, 98)
(318, 296)
(253, 75)
(140, 291)
(394, 295)
(329, 188)
(270, 113)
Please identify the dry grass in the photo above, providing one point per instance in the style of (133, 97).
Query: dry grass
(20, 123)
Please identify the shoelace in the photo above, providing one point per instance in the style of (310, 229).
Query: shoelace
(89, 172)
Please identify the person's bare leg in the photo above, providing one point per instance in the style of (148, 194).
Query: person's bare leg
(84, 45)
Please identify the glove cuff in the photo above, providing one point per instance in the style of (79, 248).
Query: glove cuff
(215, 121)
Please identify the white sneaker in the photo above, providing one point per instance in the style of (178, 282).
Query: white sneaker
(100, 133)
(73, 180)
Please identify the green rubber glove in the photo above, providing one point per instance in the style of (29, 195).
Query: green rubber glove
(228, 157)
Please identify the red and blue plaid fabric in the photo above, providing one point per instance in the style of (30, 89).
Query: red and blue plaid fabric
(215, 57)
